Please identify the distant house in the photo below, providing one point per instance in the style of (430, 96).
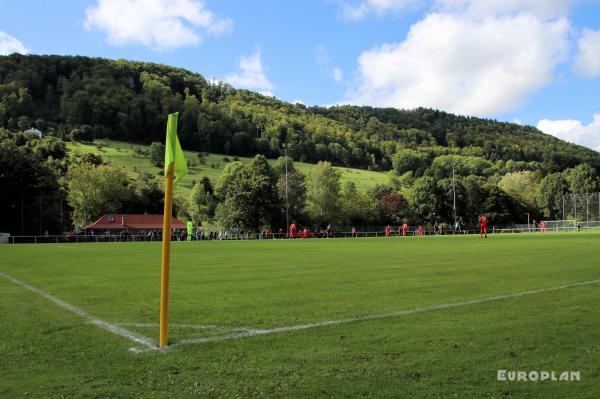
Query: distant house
(115, 223)
(34, 131)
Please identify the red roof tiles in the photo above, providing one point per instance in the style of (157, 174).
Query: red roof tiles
(128, 221)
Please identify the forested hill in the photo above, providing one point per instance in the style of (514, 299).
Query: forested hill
(129, 101)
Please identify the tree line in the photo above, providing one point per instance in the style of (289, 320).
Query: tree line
(46, 188)
(130, 101)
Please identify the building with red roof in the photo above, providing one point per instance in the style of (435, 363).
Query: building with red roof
(116, 223)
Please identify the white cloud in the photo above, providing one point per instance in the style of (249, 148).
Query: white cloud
(324, 62)
(159, 24)
(251, 75)
(574, 131)
(338, 74)
(587, 62)
(322, 57)
(355, 12)
(481, 8)
(299, 102)
(473, 8)
(10, 44)
(482, 66)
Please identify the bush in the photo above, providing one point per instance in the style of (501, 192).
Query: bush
(138, 151)
(84, 133)
(157, 154)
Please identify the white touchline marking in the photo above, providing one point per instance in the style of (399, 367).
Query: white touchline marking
(190, 326)
(120, 331)
(251, 333)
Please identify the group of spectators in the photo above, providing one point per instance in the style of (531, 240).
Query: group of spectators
(294, 231)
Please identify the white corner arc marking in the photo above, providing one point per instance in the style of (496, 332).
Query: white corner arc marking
(112, 328)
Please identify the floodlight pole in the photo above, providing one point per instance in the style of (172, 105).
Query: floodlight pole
(528, 225)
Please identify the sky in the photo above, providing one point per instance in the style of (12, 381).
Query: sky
(534, 62)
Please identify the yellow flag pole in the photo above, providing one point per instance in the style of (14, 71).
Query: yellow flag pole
(166, 257)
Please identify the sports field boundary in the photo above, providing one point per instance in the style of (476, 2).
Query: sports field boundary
(146, 342)
(254, 332)
(149, 345)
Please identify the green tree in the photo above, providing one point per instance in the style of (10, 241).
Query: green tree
(250, 197)
(208, 187)
(522, 186)
(582, 179)
(189, 120)
(500, 208)
(358, 209)
(279, 165)
(423, 198)
(202, 204)
(228, 176)
(442, 166)
(409, 161)
(28, 183)
(379, 191)
(324, 192)
(296, 188)
(157, 154)
(95, 190)
(550, 194)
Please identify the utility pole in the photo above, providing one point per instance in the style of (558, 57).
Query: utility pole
(575, 205)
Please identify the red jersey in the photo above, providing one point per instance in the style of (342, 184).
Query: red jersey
(483, 220)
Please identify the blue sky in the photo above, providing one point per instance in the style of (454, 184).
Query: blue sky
(532, 61)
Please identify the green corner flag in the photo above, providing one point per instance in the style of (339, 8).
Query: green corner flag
(173, 152)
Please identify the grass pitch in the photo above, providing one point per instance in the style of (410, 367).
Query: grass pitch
(233, 289)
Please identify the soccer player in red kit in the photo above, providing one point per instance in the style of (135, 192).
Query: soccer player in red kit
(404, 229)
(420, 230)
(483, 220)
(388, 229)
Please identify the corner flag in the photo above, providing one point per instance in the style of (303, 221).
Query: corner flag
(173, 152)
(175, 169)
